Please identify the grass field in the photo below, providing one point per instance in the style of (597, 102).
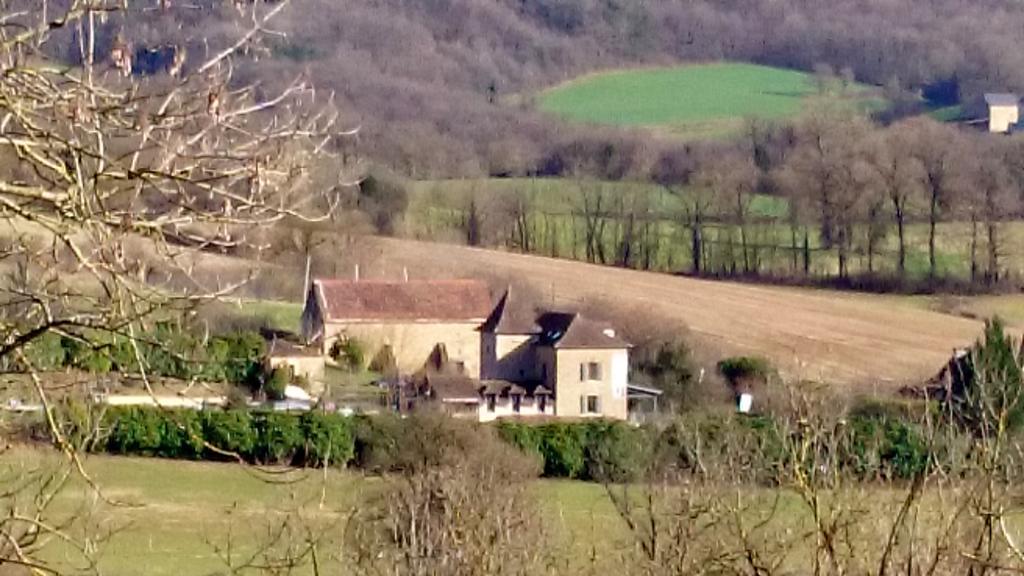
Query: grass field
(177, 518)
(694, 101)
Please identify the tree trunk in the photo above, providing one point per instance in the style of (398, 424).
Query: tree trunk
(807, 252)
(901, 233)
(871, 250)
(993, 251)
(697, 241)
(794, 249)
(974, 247)
(741, 221)
(933, 222)
(842, 250)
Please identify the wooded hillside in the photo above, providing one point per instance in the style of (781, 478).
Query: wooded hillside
(441, 86)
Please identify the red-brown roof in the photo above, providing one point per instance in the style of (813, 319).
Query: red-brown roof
(415, 300)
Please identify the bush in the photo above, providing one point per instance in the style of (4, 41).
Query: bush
(47, 353)
(169, 351)
(348, 352)
(328, 439)
(136, 431)
(279, 439)
(375, 442)
(277, 381)
(599, 450)
(668, 366)
(310, 439)
(232, 431)
(740, 368)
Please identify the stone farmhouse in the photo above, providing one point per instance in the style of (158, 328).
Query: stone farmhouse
(456, 350)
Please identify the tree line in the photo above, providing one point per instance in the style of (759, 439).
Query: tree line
(831, 197)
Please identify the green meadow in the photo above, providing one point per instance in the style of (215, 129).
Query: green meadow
(696, 101)
(163, 517)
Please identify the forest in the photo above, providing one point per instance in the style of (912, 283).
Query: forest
(441, 88)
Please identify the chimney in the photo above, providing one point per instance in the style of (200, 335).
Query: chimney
(405, 273)
(357, 273)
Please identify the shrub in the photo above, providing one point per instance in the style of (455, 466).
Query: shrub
(741, 368)
(328, 439)
(376, 441)
(46, 352)
(348, 352)
(668, 366)
(988, 382)
(232, 431)
(137, 431)
(244, 357)
(279, 438)
(616, 453)
(311, 439)
(562, 448)
(277, 381)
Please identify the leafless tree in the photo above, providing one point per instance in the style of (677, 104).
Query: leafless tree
(99, 159)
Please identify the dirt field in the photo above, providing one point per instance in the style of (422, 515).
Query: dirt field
(875, 342)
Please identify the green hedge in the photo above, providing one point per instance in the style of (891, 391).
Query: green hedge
(168, 350)
(597, 450)
(870, 444)
(309, 439)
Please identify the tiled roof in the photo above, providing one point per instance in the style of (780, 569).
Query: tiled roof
(562, 330)
(415, 300)
(453, 387)
(507, 318)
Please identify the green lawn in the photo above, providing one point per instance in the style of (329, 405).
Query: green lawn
(694, 101)
(177, 518)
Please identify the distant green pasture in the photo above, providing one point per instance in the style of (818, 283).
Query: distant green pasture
(696, 101)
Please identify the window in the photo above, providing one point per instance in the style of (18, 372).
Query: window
(517, 403)
(590, 404)
(590, 371)
(492, 402)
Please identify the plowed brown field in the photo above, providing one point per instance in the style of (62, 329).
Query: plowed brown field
(872, 341)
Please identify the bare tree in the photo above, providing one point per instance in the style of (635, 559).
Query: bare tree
(939, 150)
(100, 160)
(901, 177)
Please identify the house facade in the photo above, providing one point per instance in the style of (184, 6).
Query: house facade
(456, 352)
(409, 320)
(556, 364)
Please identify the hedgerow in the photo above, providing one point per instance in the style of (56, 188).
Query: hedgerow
(869, 445)
(309, 439)
(168, 351)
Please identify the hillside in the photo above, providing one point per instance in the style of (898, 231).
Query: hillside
(879, 342)
(426, 80)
